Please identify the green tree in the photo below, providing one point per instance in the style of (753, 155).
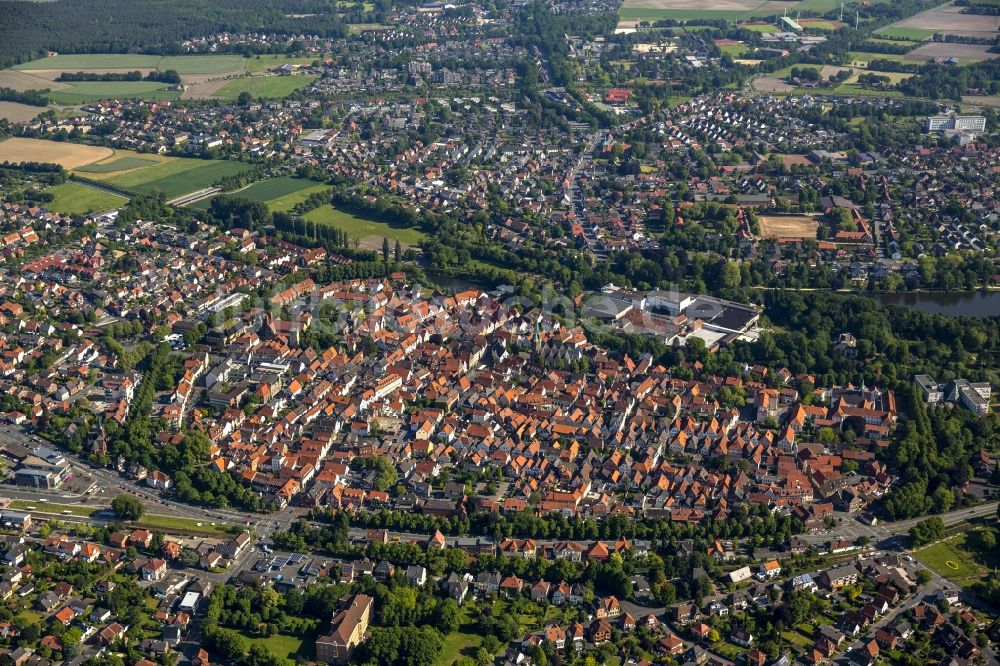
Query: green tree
(127, 507)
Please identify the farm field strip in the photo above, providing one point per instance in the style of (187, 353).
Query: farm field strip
(69, 155)
(174, 178)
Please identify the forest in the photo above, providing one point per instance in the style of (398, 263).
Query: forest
(29, 29)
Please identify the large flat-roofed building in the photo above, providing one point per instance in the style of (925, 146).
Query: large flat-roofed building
(347, 630)
(974, 396)
(955, 122)
(930, 388)
(18, 520)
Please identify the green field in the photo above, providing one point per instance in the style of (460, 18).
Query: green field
(75, 199)
(733, 50)
(760, 27)
(285, 647)
(207, 64)
(91, 91)
(176, 177)
(120, 164)
(820, 25)
(79, 61)
(167, 523)
(267, 87)
(368, 232)
(962, 559)
(656, 14)
(906, 34)
(49, 507)
(264, 62)
(866, 57)
(202, 64)
(278, 193)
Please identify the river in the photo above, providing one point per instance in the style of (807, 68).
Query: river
(962, 303)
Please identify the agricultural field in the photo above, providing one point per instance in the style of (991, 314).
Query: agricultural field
(173, 177)
(368, 233)
(862, 58)
(279, 194)
(19, 113)
(82, 62)
(946, 19)
(267, 87)
(194, 69)
(69, 155)
(11, 78)
(788, 226)
(76, 199)
(962, 559)
(118, 164)
(85, 61)
(90, 91)
(966, 53)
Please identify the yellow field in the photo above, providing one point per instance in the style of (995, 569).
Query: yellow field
(787, 226)
(19, 113)
(68, 155)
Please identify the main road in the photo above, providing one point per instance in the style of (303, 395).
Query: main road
(109, 484)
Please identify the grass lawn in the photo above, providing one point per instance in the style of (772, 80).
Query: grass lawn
(167, 523)
(49, 507)
(285, 647)
(278, 193)
(267, 87)
(31, 616)
(119, 164)
(264, 62)
(176, 177)
(457, 645)
(75, 199)
(369, 232)
(906, 34)
(89, 91)
(960, 559)
(288, 201)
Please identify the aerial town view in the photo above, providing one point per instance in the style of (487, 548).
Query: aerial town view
(499, 332)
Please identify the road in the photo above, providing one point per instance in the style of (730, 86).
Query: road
(108, 484)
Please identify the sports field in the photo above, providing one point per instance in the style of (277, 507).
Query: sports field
(787, 226)
(69, 155)
(174, 177)
(267, 87)
(279, 194)
(369, 233)
(76, 199)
